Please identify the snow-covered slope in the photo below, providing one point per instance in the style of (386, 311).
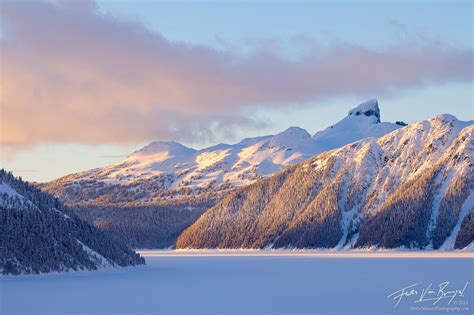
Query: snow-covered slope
(38, 234)
(168, 169)
(413, 187)
(361, 122)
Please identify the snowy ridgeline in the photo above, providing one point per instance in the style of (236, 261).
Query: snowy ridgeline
(412, 188)
(404, 187)
(38, 234)
(169, 170)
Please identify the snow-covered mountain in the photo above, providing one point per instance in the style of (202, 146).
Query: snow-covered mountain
(413, 187)
(38, 234)
(164, 170)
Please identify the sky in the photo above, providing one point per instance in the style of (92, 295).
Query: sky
(83, 84)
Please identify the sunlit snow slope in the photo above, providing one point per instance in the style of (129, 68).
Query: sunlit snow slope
(162, 170)
(413, 187)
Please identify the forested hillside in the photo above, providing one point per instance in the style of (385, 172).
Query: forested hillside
(413, 187)
(39, 235)
(142, 225)
(149, 198)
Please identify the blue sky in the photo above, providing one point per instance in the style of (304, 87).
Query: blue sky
(244, 26)
(371, 23)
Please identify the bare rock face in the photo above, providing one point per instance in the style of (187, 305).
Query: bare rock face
(369, 108)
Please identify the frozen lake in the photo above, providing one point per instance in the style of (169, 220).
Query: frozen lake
(252, 283)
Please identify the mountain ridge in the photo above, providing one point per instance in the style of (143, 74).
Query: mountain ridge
(412, 188)
(167, 169)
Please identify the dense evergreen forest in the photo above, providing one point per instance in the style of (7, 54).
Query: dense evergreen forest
(38, 234)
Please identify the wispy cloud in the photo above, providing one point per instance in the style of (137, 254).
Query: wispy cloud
(71, 74)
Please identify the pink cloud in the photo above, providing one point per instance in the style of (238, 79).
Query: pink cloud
(71, 74)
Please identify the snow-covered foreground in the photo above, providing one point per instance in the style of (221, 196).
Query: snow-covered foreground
(246, 283)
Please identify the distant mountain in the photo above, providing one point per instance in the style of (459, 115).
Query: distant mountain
(39, 235)
(413, 187)
(165, 170)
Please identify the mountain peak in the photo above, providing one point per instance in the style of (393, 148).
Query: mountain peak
(173, 170)
(368, 108)
(291, 137)
(367, 177)
(170, 147)
(362, 121)
(445, 118)
(293, 132)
